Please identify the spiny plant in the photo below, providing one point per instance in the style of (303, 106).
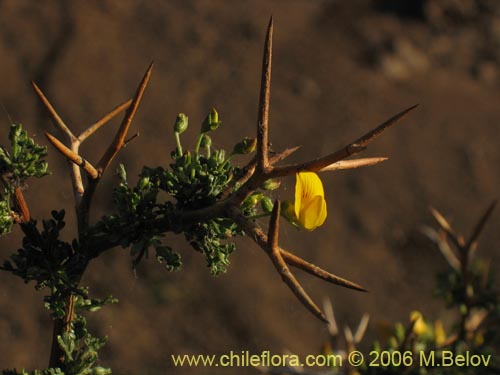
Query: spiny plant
(421, 346)
(209, 200)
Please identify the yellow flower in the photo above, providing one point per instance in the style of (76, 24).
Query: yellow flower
(439, 333)
(310, 204)
(420, 327)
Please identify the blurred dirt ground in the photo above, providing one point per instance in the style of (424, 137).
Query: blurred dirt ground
(339, 69)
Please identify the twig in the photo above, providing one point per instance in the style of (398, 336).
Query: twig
(127, 141)
(83, 196)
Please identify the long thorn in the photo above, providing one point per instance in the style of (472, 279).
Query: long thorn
(440, 238)
(255, 232)
(446, 227)
(121, 135)
(56, 119)
(274, 227)
(280, 265)
(333, 328)
(93, 128)
(75, 158)
(265, 90)
(480, 225)
(283, 155)
(362, 326)
(351, 149)
(314, 270)
(352, 164)
(370, 136)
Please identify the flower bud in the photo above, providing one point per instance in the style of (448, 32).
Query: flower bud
(184, 160)
(220, 156)
(181, 123)
(144, 183)
(420, 327)
(439, 333)
(267, 204)
(122, 173)
(206, 141)
(252, 200)
(246, 146)
(288, 212)
(271, 184)
(101, 371)
(211, 122)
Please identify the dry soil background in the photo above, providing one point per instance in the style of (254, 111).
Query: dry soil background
(339, 69)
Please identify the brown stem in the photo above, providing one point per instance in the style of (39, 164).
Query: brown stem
(21, 205)
(86, 194)
(61, 326)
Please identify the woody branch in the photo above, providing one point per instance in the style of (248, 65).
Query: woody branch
(83, 193)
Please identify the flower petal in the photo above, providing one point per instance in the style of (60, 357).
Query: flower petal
(313, 214)
(310, 204)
